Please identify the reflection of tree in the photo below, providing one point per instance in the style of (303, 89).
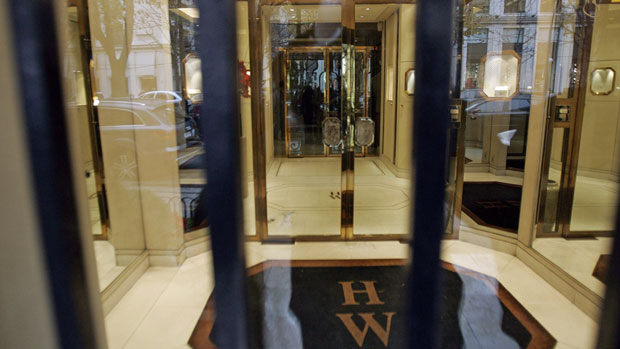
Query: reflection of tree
(114, 24)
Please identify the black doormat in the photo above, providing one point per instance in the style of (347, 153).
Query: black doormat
(493, 204)
(360, 303)
(601, 267)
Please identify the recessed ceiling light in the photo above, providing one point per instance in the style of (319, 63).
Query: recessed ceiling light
(191, 12)
(292, 10)
(367, 8)
(361, 16)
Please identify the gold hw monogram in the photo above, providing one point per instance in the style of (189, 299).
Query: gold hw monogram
(359, 335)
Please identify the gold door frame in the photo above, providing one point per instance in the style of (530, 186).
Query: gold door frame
(86, 58)
(258, 121)
(327, 52)
(570, 152)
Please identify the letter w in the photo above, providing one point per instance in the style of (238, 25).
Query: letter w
(360, 335)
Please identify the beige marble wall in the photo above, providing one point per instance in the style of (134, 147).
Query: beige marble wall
(390, 87)
(404, 111)
(599, 153)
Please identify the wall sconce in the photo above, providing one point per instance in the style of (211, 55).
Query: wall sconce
(603, 81)
(192, 76)
(500, 74)
(410, 82)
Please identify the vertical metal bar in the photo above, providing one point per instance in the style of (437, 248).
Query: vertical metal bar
(431, 116)
(259, 154)
(581, 55)
(609, 332)
(218, 52)
(347, 115)
(38, 58)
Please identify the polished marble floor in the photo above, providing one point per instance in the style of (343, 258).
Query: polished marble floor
(577, 257)
(162, 308)
(303, 198)
(107, 270)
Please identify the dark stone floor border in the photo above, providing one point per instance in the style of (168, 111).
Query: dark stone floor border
(541, 338)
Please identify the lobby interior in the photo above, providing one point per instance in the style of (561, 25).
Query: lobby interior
(532, 178)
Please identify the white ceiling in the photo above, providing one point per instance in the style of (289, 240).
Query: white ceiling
(326, 13)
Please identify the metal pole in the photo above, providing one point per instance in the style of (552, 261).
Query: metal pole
(258, 119)
(430, 131)
(347, 115)
(38, 56)
(218, 53)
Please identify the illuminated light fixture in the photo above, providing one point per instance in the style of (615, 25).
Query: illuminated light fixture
(500, 74)
(292, 10)
(95, 101)
(367, 8)
(361, 16)
(189, 13)
(602, 81)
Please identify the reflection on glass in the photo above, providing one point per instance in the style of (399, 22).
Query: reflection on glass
(580, 200)
(500, 75)
(304, 103)
(410, 81)
(603, 80)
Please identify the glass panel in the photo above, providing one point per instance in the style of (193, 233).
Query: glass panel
(580, 202)
(496, 84)
(83, 116)
(302, 82)
(597, 185)
(304, 101)
(382, 200)
(550, 203)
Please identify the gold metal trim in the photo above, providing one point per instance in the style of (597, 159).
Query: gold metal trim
(503, 52)
(613, 82)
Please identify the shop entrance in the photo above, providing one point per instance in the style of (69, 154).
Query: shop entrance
(579, 182)
(312, 93)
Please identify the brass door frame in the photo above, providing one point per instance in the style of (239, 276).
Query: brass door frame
(571, 142)
(327, 52)
(86, 59)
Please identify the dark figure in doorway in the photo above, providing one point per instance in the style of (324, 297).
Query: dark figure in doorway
(317, 105)
(307, 107)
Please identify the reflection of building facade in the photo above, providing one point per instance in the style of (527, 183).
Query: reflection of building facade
(493, 26)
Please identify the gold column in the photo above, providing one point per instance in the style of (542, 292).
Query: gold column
(347, 115)
(258, 118)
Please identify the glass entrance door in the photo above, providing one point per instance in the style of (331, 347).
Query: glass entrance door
(313, 78)
(305, 101)
(579, 185)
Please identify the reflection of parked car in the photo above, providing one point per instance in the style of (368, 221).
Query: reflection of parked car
(162, 95)
(517, 106)
(145, 115)
(515, 111)
(187, 109)
(182, 109)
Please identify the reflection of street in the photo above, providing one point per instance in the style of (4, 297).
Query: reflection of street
(190, 157)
